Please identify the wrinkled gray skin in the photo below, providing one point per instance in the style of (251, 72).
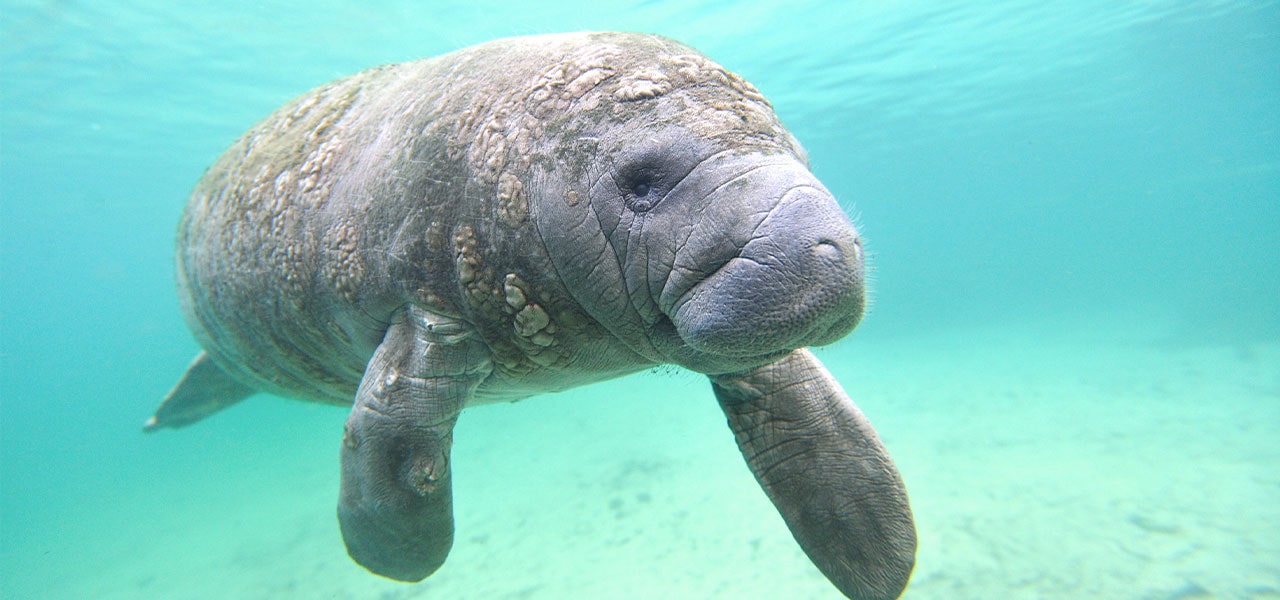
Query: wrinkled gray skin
(526, 216)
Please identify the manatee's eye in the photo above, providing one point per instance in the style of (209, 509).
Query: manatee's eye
(646, 173)
(642, 197)
(643, 191)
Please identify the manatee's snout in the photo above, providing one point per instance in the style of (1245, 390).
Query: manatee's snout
(812, 239)
(797, 279)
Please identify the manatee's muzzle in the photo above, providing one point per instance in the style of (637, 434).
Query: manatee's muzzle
(797, 281)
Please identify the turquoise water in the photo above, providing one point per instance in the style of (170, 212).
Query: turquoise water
(1073, 354)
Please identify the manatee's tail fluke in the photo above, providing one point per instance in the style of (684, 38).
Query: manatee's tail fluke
(203, 390)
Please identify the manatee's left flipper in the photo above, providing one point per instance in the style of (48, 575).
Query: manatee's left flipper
(203, 390)
(396, 508)
(821, 463)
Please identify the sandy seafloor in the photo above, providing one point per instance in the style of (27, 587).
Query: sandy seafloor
(1099, 463)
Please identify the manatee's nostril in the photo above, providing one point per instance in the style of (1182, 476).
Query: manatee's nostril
(827, 250)
(857, 248)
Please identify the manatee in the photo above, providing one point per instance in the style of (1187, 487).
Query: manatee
(526, 216)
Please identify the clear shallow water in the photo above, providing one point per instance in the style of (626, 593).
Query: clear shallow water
(1073, 354)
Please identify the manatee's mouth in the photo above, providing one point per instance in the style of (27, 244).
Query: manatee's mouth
(722, 316)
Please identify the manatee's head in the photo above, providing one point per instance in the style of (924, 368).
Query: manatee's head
(683, 217)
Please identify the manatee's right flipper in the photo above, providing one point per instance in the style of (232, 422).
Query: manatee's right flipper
(203, 390)
(821, 463)
(396, 505)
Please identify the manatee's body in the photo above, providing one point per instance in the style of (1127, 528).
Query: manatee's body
(525, 216)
